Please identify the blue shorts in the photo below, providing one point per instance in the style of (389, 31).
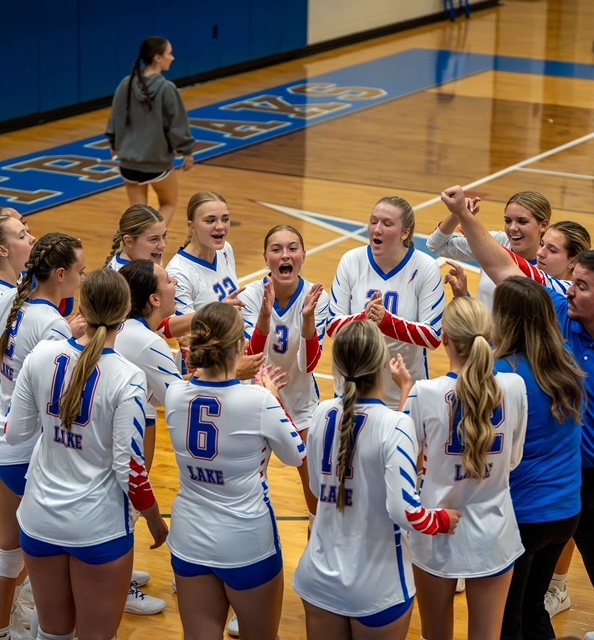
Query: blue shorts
(101, 553)
(13, 476)
(500, 573)
(238, 578)
(387, 616)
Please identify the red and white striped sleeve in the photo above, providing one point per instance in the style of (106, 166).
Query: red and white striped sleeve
(129, 423)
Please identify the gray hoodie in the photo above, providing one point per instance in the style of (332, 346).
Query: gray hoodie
(152, 138)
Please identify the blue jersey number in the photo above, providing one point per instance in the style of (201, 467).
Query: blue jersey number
(390, 300)
(282, 339)
(329, 432)
(455, 445)
(12, 334)
(203, 435)
(53, 407)
(225, 288)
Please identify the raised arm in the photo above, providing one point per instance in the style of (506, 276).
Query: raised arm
(492, 257)
(315, 315)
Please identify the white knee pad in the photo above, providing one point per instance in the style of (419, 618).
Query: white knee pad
(42, 635)
(11, 563)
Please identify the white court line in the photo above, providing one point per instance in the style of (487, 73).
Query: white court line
(428, 203)
(561, 174)
(514, 167)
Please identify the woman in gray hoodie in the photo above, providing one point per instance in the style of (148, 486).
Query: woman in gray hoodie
(148, 126)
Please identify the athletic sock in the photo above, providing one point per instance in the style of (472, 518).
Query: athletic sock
(43, 635)
(559, 580)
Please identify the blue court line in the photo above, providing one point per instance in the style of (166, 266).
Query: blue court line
(46, 179)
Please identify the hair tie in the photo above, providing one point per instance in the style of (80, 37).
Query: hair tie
(350, 379)
(478, 335)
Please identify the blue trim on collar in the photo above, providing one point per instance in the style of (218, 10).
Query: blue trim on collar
(143, 322)
(214, 383)
(395, 270)
(7, 284)
(370, 401)
(280, 311)
(452, 375)
(203, 263)
(43, 301)
(79, 347)
(120, 260)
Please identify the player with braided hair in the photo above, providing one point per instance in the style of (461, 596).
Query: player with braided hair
(54, 271)
(141, 234)
(361, 459)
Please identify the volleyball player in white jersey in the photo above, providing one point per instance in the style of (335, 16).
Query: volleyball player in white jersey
(394, 285)
(555, 260)
(223, 539)
(15, 249)
(285, 318)
(526, 217)
(142, 233)
(152, 293)
(355, 577)
(75, 517)
(56, 264)
(205, 267)
(472, 426)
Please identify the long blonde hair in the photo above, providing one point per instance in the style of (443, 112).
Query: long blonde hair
(105, 300)
(359, 354)
(525, 322)
(467, 325)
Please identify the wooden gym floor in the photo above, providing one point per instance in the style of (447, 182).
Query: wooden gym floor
(497, 132)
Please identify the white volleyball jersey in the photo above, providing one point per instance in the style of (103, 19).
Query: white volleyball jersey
(7, 296)
(147, 350)
(37, 320)
(223, 434)
(117, 262)
(5, 286)
(357, 562)
(286, 348)
(200, 282)
(81, 480)
(487, 539)
(414, 299)
(456, 247)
